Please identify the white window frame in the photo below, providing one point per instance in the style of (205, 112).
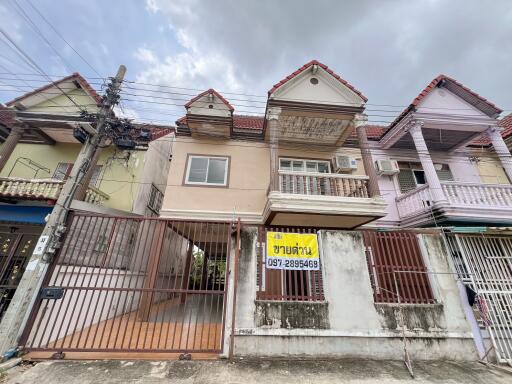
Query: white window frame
(226, 169)
(304, 161)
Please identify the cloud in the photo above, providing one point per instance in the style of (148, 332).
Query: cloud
(389, 50)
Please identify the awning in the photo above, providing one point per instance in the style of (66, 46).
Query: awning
(28, 214)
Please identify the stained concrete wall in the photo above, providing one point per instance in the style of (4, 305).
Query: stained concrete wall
(356, 326)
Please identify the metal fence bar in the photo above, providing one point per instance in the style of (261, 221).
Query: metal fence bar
(392, 252)
(135, 285)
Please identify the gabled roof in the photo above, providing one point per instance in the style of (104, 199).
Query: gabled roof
(457, 88)
(74, 77)
(207, 92)
(323, 66)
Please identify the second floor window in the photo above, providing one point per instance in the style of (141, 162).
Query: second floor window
(63, 171)
(300, 165)
(207, 170)
(155, 199)
(412, 176)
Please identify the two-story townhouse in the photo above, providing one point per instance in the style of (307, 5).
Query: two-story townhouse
(299, 165)
(41, 134)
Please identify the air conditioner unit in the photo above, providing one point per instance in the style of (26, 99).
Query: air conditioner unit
(344, 163)
(387, 167)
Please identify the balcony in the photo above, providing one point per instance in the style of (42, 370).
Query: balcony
(469, 203)
(322, 200)
(13, 188)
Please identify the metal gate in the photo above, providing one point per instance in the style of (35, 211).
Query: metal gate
(134, 285)
(15, 251)
(484, 263)
(396, 267)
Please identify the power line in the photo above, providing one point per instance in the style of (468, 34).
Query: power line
(29, 60)
(38, 32)
(62, 37)
(265, 96)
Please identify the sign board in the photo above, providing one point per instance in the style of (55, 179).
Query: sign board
(298, 251)
(41, 245)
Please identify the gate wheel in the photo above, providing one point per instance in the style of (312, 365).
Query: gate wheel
(185, 356)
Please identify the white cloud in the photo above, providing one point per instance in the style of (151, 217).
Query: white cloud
(389, 50)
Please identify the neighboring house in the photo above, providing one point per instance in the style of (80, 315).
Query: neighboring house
(444, 162)
(278, 169)
(36, 164)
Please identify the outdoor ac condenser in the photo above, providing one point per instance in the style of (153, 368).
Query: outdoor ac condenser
(344, 164)
(387, 167)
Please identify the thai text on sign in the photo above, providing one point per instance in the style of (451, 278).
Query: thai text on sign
(298, 251)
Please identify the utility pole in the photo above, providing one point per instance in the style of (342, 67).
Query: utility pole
(18, 312)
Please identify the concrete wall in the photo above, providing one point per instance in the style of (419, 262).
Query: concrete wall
(356, 326)
(154, 172)
(248, 178)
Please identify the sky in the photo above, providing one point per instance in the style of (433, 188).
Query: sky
(388, 49)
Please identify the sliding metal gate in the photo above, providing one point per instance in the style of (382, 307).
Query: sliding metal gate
(134, 285)
(485, 264)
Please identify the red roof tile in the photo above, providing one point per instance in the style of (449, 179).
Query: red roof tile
(433, 84)
(75, 76)
(7, 116)
(326, 68)
(248, 122)
(207, 92)
(506, 124)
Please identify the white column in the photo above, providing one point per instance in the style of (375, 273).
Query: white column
(494, 133)
(434, 184)
(272, 126)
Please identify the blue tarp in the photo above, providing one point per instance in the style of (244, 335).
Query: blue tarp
(29, 214)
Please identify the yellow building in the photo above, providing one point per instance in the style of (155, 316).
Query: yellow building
(40, 135)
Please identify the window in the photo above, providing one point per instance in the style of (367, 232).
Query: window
(206, 170)
(63, 171)
(155, 199)
(412, 176)
(299, 165)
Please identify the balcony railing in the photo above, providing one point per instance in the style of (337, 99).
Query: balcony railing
(43, 189)
(473, 195)
(414, 201)
(34, 189)
(479, 195)
(94, 196)
(322, 184)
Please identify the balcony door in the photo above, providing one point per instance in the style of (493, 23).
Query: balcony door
(301, 176)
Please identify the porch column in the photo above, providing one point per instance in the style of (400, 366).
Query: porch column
(8, 119)
(494, 133)
(360, 122)
(434, 184)
(272, 126)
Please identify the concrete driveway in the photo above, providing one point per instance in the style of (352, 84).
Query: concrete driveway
(253, 371)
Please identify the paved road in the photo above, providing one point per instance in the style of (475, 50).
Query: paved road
(254, 372)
